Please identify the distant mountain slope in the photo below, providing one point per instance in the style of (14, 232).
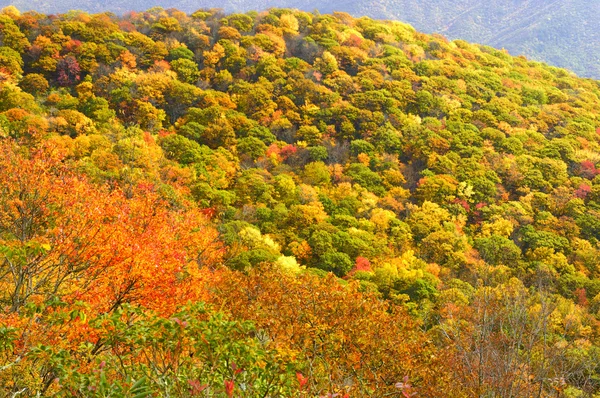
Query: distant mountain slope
(560, 32)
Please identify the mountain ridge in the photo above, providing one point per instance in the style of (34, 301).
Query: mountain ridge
(520, 26)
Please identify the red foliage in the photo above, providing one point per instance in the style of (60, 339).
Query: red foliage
(127, 26)
(463, 203)
(229, 386)
(68, 71)
(581, 296)
(302, 380)
(362, 264)
(72, 45)
(273, 151)
(288, 151)
(209, 212)
(196, 387)
(587, 169)
(583, 191)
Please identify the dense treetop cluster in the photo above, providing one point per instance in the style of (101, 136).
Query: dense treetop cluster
(458, 184)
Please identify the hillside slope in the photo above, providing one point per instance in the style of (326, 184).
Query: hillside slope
(559, 32)
(288, 203)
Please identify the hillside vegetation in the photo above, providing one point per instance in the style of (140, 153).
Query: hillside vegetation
(284, 204)
(562, 33)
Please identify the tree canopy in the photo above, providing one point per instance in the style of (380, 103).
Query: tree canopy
(285, 203)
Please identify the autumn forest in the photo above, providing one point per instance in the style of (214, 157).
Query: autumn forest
(290, 204)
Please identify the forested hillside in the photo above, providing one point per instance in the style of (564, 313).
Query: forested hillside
(562, 33)
(287, 204)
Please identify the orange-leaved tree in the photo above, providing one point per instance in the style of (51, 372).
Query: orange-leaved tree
(347, 341)
(71, 251)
